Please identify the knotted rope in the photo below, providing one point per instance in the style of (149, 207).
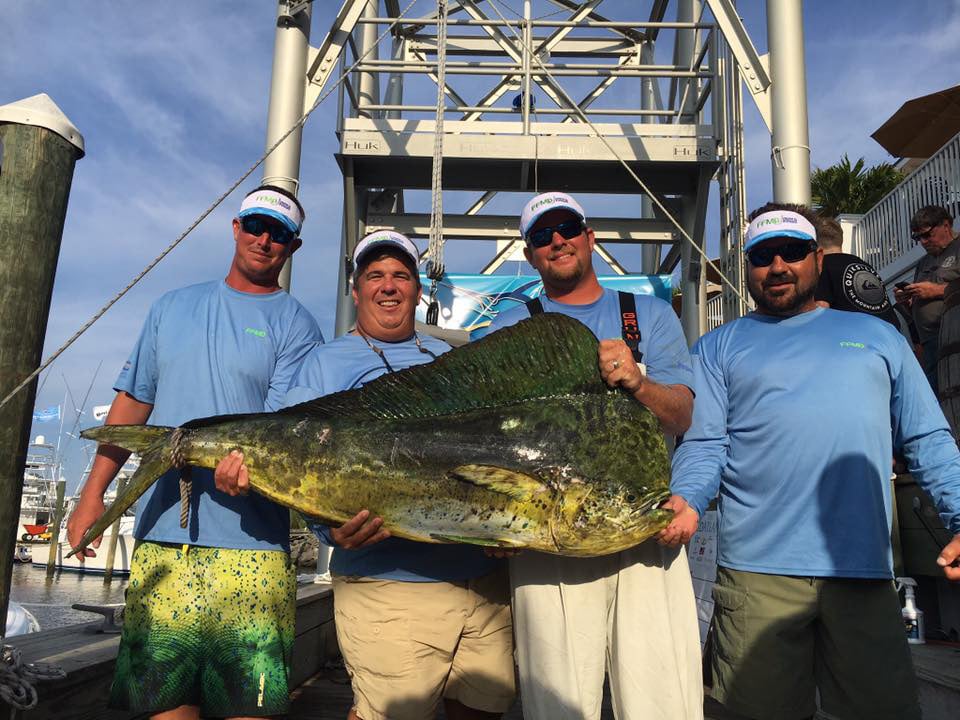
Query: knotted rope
(16, 676)
(178, 460)
(435, 248)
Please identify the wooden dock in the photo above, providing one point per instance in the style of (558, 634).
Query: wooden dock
(87, 656)
(322, 687)
(327, 696)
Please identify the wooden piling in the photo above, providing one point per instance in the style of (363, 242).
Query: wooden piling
(37, 157)
(114, 537)
(55, 532)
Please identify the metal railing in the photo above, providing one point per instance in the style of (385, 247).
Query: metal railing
(715, 311)
(392, 88)
(882, 235)
(733, 198)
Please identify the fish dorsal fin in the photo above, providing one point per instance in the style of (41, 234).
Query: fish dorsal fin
(517, 485)
(549, 355)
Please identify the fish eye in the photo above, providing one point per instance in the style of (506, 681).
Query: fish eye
(631, 498)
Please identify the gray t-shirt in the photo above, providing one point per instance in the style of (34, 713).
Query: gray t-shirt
(939, 269)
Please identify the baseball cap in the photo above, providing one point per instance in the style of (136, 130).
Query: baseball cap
(778, 223)
(382, 239)
(544, 203)
(275, 205)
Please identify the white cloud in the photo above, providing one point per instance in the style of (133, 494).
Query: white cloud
(171, 99)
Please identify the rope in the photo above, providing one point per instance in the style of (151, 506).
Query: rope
(435, 246)
(299, 123)
(16, 688)
(179, 461)
(626, 166)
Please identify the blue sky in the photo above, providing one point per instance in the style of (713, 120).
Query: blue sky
(171, 100)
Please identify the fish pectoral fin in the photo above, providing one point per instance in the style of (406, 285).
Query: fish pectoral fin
(517, 485)
(485, 542)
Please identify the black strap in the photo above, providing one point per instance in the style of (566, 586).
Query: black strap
(629, 328)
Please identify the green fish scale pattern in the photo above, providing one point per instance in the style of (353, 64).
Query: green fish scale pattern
(404, 471)
(527, 399)
(210, 627)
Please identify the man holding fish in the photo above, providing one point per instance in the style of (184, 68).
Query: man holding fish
(799, 410)
(223, 347)
(417, 623)
(633, 612)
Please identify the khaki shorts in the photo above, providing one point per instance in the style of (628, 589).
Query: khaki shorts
(406, 645)
(778, 639)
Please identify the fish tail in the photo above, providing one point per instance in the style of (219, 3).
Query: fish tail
(156, 447)
(136, 438)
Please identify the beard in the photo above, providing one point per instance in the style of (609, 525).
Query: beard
(784, 303)
(563, 277)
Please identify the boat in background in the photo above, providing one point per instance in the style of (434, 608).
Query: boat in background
(38, 499)
(96, 564)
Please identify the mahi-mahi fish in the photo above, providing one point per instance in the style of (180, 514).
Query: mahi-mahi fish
(512, 441)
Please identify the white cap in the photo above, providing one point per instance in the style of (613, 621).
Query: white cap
(544, 203)
(275, 205)
(386, 238)
(779, 223)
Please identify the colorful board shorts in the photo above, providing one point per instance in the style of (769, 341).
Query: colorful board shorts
(211, 627)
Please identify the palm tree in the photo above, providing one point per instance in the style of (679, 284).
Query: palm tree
(846, 188)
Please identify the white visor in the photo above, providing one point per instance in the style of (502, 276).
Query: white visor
(779, 223)
(382, 239)
(544, 203)
(274, 205)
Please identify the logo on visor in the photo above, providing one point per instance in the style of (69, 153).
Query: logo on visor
(777, 221)
(546, 201)
(271, 200)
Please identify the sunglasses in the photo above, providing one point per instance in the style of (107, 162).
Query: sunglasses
(256, 225)
(920, 236)
(790, 253)
(541, 237)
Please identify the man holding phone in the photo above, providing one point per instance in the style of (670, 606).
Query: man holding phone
(932, 227)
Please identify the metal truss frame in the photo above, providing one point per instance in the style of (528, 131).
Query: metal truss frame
(701, 119)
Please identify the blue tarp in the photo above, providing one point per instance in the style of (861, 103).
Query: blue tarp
(471, 302)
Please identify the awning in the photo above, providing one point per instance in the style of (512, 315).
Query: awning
(922, 126)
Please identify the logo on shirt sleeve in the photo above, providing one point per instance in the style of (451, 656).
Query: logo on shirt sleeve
(254, 331)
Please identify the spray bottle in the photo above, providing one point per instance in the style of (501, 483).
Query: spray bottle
(912, 616)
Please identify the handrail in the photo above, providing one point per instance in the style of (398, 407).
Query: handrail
(882, 235)
(715, 316)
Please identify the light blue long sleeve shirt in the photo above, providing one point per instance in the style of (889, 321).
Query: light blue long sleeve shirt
(794, 426)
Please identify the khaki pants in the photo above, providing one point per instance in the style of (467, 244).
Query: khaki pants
(779, 639)
(406, 645)
(632, 614)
